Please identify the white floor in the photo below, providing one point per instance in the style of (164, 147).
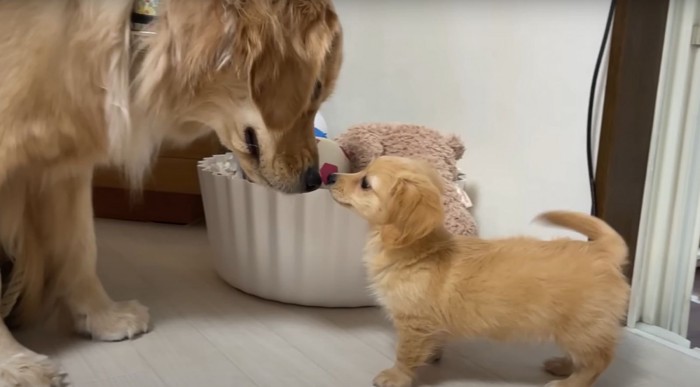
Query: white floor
(207, 334)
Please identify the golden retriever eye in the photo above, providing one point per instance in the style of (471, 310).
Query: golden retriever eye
(251, 142)
(365, 184)
(317, 90)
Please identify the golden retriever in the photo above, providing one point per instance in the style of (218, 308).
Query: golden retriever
(79, 88)
(435, 285)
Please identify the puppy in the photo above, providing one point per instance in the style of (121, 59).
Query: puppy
(436, 286)
(80, 86)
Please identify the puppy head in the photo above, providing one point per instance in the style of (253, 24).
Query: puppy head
(400, 195)
(254, 71)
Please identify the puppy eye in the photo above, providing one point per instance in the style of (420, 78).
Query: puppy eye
(317, 90)
(251, 142)
(365, 184)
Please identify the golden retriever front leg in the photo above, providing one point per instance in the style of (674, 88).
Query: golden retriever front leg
(75, 252)
(20, 367)
(417, 346)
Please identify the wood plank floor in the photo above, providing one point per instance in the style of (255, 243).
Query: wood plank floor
(207, 334)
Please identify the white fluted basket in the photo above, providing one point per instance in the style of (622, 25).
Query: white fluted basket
(299, 249)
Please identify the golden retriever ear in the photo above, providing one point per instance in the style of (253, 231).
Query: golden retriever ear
(283, 79)
(319, 29)
(415, 209)
(193, 40)
(253, 28)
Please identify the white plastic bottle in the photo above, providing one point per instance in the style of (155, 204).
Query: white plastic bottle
(320, 127)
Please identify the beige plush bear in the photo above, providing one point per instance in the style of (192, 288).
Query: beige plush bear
(363, 143)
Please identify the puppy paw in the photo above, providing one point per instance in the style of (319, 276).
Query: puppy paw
(29, 369)
(559, 366)
(392, 377)
(122, 320)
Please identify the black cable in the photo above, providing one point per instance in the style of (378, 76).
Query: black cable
(591, 101)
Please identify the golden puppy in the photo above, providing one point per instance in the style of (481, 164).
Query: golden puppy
(436, 285)
(79, 87)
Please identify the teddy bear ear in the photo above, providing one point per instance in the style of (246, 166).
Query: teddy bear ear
(454, 142)
(361, 145)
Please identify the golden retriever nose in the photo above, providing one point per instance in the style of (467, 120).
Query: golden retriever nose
(330, 180)
(312, 179)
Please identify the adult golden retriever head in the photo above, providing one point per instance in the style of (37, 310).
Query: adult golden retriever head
(402, 196)
(254, 71)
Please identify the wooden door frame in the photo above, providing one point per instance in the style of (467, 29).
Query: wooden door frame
(636, 49)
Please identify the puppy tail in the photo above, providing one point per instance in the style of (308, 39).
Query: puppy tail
(599, 232)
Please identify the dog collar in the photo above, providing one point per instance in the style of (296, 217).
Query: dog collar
(143, 14)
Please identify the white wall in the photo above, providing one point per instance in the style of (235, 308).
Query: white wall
(511, 77)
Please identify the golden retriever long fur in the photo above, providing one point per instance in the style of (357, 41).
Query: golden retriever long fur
(78, 89)
(435, 285)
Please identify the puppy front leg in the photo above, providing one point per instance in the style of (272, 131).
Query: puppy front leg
(416, 347)
(74, 263)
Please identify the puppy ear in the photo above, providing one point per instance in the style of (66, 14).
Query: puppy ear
(415, 209)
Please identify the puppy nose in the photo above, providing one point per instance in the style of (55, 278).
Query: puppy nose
(312, 179)
(331, 179)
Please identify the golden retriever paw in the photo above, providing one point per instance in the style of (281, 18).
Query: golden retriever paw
(123, 320)
(29, 369)
(559, 366)
(393, 377)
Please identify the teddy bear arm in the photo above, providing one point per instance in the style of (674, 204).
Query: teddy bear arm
(458, 219)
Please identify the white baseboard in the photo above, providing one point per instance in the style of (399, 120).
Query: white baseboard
(676, 343)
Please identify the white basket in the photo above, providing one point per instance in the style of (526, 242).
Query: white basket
(300, 249)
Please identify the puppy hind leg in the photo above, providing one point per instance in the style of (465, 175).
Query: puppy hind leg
(436, 357)
(588, 365)
(559, 366)
(438, 350)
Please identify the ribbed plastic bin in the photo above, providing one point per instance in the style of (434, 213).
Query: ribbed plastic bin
(300, 249)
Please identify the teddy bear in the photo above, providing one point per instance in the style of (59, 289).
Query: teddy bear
(363, 143)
